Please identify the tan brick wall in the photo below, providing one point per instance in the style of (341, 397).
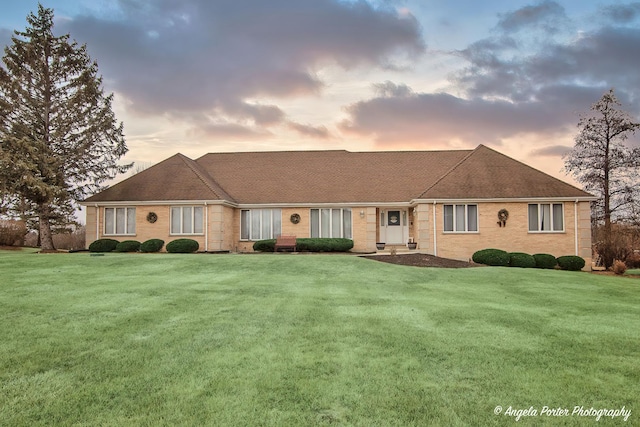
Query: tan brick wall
(364, 229)
(90, 221)
(144, 229)
(515, 237)
(224, 230)
(216, 222)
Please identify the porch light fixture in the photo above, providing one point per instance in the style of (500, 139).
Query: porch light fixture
(362, 214)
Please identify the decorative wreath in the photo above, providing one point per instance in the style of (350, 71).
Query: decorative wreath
(503, 214)
(152, 217)
(295, 218)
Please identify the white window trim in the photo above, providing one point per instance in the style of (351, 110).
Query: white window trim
(193, 220)
(466, 218)
(331, 222)
(539, 230)
(250, 228)
(115, 219)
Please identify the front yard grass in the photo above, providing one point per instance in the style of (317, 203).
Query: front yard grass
(159, 339)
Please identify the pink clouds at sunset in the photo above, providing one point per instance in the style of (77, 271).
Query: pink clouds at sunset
(198, 76)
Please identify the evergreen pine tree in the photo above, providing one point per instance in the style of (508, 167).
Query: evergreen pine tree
(59, 139)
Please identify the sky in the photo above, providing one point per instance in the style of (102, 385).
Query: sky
(199, 76)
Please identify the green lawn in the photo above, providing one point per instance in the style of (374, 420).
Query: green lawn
(273, 340)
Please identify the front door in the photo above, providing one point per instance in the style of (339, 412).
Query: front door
(393, 226)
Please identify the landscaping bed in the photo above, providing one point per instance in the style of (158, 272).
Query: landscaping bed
(422, 260)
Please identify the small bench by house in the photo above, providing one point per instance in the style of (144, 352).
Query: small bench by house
(285, 242)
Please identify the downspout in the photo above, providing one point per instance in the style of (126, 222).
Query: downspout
(206, 227)
(435, 230)
(97, 221)
(575, 217)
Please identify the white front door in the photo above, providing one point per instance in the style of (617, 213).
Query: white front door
(393, 226)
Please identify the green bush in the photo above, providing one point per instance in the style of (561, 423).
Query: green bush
(152, 245)
(182, 246)
(571, 262)
(494, 257)
(309, 244)
(521, 260)
(128, 246)
(103, 245)
(268, 245)
(545, 261)
(324, 244)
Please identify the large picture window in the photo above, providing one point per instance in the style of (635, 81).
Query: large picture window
(260, 224)
(461, 218)
(119, 221)
(331, 223)
(546, 217)
(187, 220)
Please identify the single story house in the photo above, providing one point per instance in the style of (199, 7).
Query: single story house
(451, 203)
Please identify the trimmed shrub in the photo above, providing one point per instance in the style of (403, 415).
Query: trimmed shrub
(268, 245)
(103, 245)
(521, 260)
(128, 246)
(571, 262)
(321, 244)
(152, 245)
(619, 267)
(493, 257)
(545, 261)
(182, 246)
(324, 244)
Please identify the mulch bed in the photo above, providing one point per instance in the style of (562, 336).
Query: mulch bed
(421, 260)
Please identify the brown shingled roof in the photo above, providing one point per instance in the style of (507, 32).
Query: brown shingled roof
(486, 173)
(176, 178)
(327, 176)
(299, 177)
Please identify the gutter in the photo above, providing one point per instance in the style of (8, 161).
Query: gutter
(97, 221)
(206, 227)
(575, 217)
(435, 230)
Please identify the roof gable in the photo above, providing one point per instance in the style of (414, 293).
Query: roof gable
(176, 178)
(485, 173)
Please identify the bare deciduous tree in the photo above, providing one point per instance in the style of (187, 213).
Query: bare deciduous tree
(605, 165)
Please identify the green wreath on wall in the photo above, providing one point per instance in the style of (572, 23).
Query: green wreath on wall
(503, 216)
(152, 217)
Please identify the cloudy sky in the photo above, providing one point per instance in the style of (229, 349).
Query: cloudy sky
(198, 76)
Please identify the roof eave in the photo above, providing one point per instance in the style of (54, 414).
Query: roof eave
(157, 202)
(504, 199)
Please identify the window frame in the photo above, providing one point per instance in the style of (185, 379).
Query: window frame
(193, 220)
(114, 228)
(255, 219)
(540, 217)
(455, 219)
(330, 222)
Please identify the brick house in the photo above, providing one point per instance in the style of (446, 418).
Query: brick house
(448, 202)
